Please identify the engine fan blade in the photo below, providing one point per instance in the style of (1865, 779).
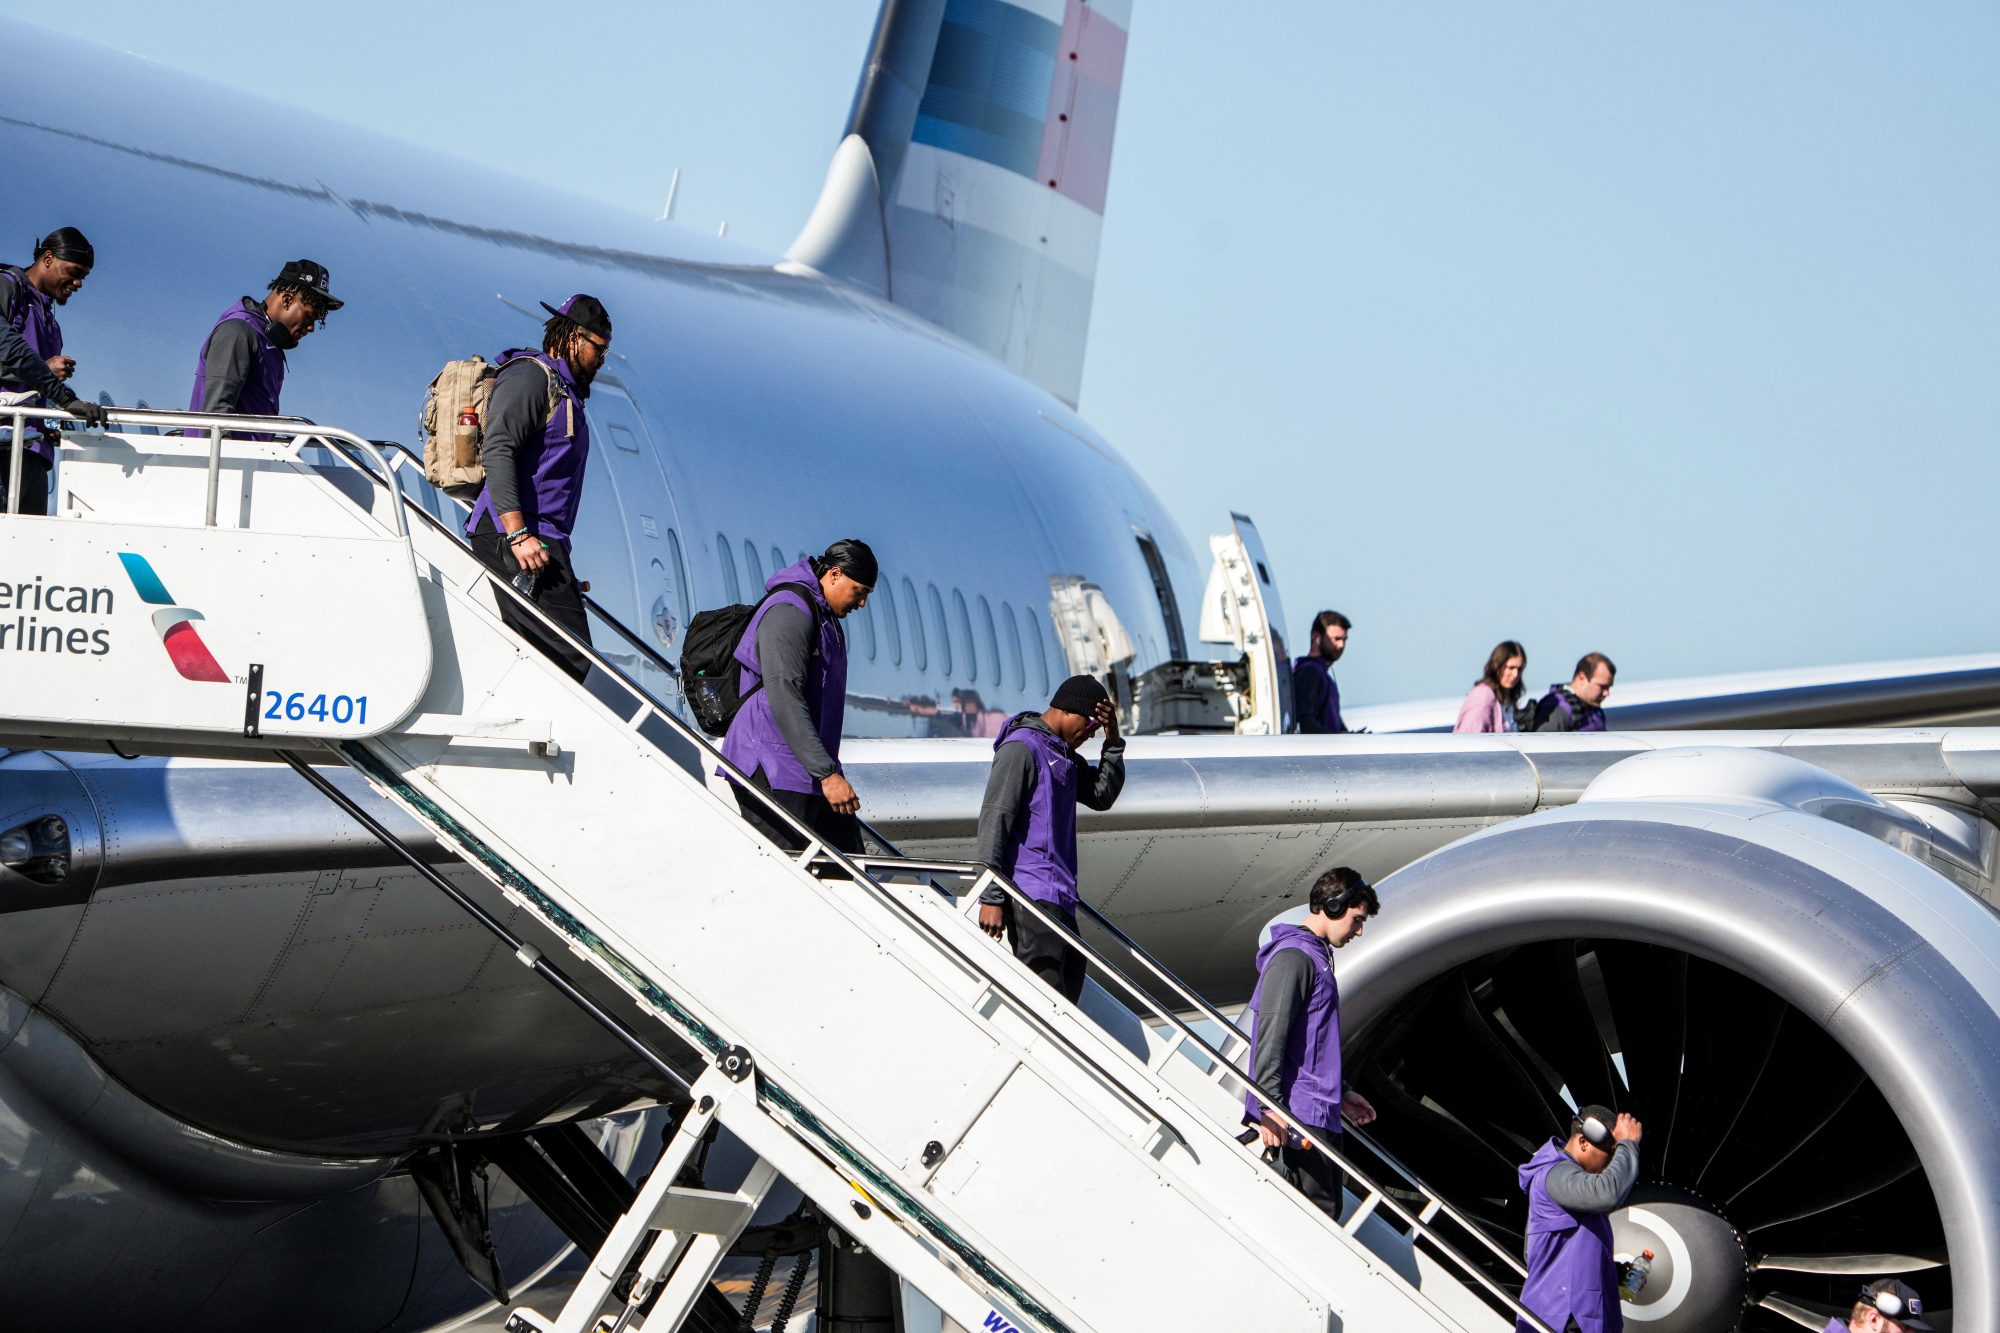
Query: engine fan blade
(1647, 986)
(1852, 1265)
(1805, 1316)
(1477, 1075)
(1537, 994)
(1730, 1020)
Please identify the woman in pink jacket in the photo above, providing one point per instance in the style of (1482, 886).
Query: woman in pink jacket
(1490, 704)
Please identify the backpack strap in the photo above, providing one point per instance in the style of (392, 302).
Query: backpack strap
(812, 644)
(558, 391)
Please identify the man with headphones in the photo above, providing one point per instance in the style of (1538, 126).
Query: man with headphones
(1884, 1306)
(1295, 1036)
(1572, 1188)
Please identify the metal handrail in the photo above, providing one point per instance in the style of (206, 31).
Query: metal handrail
(1376, 1197)
(218, 427)
(617, 626)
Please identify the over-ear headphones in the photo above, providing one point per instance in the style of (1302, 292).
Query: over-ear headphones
(1889, 1303)
(1597, 1134)
(1344, 899)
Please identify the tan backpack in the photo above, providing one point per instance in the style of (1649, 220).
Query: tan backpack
(453, 423)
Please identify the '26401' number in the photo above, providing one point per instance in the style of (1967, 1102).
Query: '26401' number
(340, 709)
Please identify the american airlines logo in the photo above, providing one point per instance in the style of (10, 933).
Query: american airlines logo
(175, 624)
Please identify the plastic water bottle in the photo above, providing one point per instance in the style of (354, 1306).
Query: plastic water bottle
(1634, 1280)
(525, 581)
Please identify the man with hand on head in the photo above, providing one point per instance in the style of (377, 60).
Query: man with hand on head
(1295, 1035)
(241, 371)
(1027, 821)
(1573, 1186)
(32, 361)
(1884, 1306)
(793, 660)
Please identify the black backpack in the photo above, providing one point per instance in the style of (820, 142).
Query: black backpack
(710, 672)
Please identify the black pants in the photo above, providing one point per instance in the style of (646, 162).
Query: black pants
(1315, 1176)
(34, 482)
(555, 593)
(1047, 954)
(811, 808)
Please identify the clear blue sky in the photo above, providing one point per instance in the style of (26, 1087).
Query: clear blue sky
(1665, 330)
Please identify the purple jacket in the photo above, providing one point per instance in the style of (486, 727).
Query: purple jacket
(754, 741)
(1570, 1271)
(1041, 856)
(1309, 1078)
(550, 469)
(34, 319)
(262, 386)
(1560, 710)
(1316, 697)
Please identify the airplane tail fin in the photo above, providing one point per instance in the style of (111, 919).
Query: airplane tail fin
(969, 186)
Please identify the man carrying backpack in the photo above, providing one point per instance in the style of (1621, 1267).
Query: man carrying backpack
(537, 441)
(792, 662)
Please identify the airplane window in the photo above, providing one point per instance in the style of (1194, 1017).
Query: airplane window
(965, 643)
(895, 630)
(778, 561)
(1035, 646)
(622, 436)
(915, 615)
(989, 641)
(939, 630)
(680, 573)
(868, 632)
(731, 589)
(1013, 645)
(753, 565)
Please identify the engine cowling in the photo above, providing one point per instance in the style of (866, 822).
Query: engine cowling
(1756, 959)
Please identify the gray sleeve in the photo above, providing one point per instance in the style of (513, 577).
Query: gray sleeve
(516, 415)
(1281, 997)
(1007, 787)
(18, 361)
(784, 641)
(1580, 1192)
(1102, 784)
(225, 364)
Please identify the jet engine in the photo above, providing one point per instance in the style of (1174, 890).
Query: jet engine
(1793, 983)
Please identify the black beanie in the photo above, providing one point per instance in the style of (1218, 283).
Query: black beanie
(1079, 695)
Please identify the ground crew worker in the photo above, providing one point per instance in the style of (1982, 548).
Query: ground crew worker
(1027, 821)
(1572, 1187)
(31, 351)
(1884, 1306)
(536, 446)
(793, 658)
(1295, 1035)
(1315, 693)
(241, 370)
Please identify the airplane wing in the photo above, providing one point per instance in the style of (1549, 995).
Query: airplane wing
(1927, 692)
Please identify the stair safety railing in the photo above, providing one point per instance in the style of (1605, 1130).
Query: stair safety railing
(1221, 1068)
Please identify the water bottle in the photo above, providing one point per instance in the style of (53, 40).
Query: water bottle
(1634, 1280)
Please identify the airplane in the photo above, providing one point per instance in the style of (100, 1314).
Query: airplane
(240, 1037)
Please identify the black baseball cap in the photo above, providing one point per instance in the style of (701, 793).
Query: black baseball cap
(311, 276)
(1896, 1300)
(586, 312)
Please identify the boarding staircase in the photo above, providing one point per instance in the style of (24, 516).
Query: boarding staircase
(1022, 1162)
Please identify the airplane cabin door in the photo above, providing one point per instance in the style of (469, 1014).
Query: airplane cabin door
(648, 591)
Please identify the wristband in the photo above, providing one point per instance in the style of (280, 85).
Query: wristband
(514, 537)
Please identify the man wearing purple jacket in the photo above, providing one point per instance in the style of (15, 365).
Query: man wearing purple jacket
(536, 452)
(1295, 1035)
(1027, 822)
(1315, 693)
(793, 683)
(1573, 1186)
(1579, 705)
(32, 360)
(241, 370)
